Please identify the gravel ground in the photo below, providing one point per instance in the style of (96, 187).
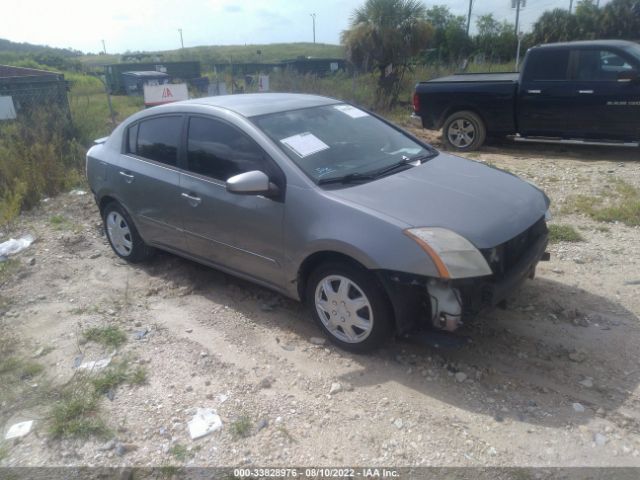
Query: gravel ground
(552, 380)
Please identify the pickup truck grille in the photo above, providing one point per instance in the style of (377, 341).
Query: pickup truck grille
(504, 257)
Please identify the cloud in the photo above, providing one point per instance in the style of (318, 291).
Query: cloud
(233, 8)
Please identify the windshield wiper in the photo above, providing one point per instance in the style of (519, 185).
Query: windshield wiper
(350, 178)
(401, 164)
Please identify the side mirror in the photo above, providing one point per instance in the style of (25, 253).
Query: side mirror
(251, 183)
(628, 76)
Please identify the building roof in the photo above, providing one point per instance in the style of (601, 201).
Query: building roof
(255, 104)
(8, 71)
(151, 73)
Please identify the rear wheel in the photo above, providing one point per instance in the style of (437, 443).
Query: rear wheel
(350, 306)
(123, 236)
(464, 131)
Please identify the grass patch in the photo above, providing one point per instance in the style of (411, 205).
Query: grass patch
(620, 204)
(109, 336)
(8, 268)
(62, 223)
(19, 369)
(180, 452)
(564, 233)
(4, 452)
(75, 414)
(241, 428)
(139, 376)
(117, 374)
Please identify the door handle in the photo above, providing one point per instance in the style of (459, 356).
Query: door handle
(536, 92)
(193, 200)
(585, 92)
(127, 177)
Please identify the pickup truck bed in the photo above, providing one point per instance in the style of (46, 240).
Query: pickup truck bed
(478, 77)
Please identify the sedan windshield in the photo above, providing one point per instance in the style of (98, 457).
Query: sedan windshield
(336, 142)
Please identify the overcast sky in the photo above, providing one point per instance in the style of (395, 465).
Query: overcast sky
(153, 24)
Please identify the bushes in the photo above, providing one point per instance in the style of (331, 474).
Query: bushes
(37, 159)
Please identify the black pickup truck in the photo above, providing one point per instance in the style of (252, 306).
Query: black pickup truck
(576, 92)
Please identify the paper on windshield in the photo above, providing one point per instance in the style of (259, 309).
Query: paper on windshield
(305, 144)
(353, 112)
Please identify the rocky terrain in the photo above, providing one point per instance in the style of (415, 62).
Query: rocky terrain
(552, 380)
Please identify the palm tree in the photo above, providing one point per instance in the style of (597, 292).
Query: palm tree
(384, 35)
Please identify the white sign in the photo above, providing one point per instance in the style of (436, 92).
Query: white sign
(263, 83)
(305, 144)
(160, 94)
(7, 110)
(353, 112)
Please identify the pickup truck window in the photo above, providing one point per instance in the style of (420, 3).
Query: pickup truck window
(547, 64)
(158, 139)
(600, 65)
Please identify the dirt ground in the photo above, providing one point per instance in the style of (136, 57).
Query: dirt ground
(552, 380)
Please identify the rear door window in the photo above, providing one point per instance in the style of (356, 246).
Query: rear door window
(158, 139)
(548, 65)
(220, 151)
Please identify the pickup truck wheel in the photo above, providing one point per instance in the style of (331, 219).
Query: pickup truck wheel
(350, 306)
(123, 236)
(464, 131)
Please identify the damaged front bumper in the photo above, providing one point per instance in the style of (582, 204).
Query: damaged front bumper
(430, 303)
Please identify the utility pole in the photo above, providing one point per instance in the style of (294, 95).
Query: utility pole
(104, 48)
(517, 2)
(313, 16)
(570, 6)
(181, 41)
(469, 16)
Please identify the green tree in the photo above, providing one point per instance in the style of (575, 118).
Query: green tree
(450, 39)
(384, 36)
(557, 25)
(496, 40)
(621, 19)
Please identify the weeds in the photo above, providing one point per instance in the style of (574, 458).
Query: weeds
(109, 336)
(76, 414)
(241, 428)
(621, 204)
(564, 233)
(139, 376)
(180, 452)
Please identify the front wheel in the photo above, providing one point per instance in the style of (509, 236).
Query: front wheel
(350, 306)
(464, 131)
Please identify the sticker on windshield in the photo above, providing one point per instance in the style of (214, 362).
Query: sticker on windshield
(305, 144)
(353, 112)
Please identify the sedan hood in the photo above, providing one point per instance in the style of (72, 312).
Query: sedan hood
(485, 205)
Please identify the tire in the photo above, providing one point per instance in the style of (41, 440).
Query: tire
(464, 131)
(367, 305)
(123, 236)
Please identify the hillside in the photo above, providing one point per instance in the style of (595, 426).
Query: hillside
(225, 53)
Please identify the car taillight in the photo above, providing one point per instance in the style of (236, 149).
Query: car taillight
(416, 102)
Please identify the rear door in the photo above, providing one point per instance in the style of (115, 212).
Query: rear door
(240, 232)
(546, 96)
(148, 179)
(609, 104)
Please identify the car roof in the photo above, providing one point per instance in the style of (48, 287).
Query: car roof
(589, 43)
(255, 104)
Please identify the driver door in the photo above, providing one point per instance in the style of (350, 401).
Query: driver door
(241, 232)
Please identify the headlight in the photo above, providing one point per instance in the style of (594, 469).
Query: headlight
(453, 255)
